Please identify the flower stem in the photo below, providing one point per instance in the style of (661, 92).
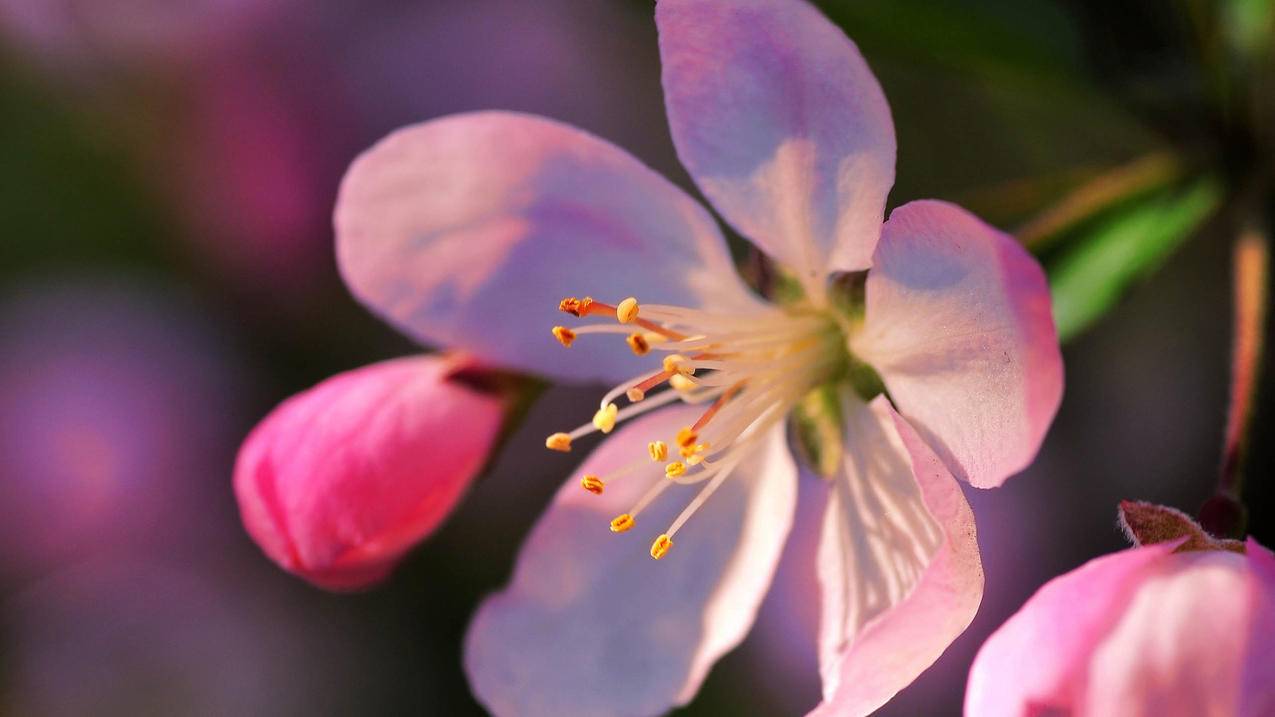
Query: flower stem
(1251, 279)
(1224, 515)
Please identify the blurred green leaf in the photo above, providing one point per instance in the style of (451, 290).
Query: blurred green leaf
(1108, 189)
(1248, 25)
(1090, 275)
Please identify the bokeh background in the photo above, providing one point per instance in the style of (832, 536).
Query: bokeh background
(167, 172)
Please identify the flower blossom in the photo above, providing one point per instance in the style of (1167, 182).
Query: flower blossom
(941, 362)
(1180, 627)
(339, 481)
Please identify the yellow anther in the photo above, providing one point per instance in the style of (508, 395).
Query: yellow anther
(658, 450)
(592, 483)
(686, 437)
(627, 310)
(681, 383)
(638, 343)
(558, 442)
(564, 335)
(677, 364)
(621, 523)
(674, 469)
(575, 307)
(604, 419)
(660, 547)
(635, 394)
(692, 450)
(695, 460)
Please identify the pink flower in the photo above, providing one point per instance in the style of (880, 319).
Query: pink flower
(339, 481)
(1146, 631)
(465, 231)
(86, 35)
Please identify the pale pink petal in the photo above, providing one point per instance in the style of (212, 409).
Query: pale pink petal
(342, 479)
(778, 118)
(466, 231)
(958, 324)
(1179, 647)
(899, 565)
(1257, 685)
(590, 625)
(1036, 660)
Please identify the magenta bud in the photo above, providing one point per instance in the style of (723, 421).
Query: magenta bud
(1145, 631)
(341, 480)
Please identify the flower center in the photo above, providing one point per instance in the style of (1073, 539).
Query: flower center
(748, 369)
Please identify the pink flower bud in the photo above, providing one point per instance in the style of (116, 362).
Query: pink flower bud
(1155, 630)
(339, 481)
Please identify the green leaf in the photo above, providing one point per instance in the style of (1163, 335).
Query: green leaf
(1089, 276)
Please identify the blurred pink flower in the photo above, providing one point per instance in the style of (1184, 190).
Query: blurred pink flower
(341, 480)
(116, 407)
(119, 636)
(156, 35)
(1146, 631)
(247, 166)
(465, 230)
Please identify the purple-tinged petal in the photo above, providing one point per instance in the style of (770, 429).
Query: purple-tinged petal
(1045, 644)
(958, 324)
(467, 230)
(339, 481)
(591, 625)
(783, 126)
(898, 563)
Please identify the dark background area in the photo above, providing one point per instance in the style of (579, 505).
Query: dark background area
(167, 276)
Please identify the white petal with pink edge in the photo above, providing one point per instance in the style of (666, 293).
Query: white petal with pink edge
(591, 625)
(782, 125)
(467, 230)
(898, 563)
(958, 325)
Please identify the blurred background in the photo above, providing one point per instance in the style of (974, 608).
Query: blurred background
(167, 173)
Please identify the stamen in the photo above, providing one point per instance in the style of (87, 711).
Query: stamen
(575, 307)
(638, 343)
(592, 483)
(564, 335)
(627, 311)
(687, 436)
(598, 308)
(653, 381)
(681, 383)
(690, 451)
(661, 546)
(700, 499)
(748, 368)
(604, 419)
(678, 364)
(558, 442)
(707, 416)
